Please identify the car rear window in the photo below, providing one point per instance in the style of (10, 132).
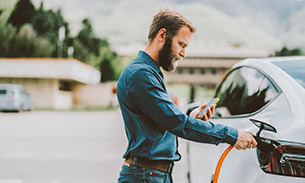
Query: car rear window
(3, 92)
(295, 68)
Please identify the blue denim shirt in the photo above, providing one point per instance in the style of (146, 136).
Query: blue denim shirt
(152, 121)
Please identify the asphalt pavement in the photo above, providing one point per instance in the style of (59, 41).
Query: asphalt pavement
(66, 147)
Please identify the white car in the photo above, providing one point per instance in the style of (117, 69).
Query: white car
(271, 90)
(14, 97)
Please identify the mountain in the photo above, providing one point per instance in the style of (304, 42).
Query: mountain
(282, 19)
(260, 23)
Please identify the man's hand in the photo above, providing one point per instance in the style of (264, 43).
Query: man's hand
(245, 140)
(207, 116)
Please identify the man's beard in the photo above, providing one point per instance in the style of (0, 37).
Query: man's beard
(166, 58)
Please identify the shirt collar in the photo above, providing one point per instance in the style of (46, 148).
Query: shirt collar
(147, 59)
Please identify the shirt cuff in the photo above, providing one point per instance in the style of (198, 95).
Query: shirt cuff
(232, 135)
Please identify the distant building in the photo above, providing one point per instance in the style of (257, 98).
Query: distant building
(52, 83)
(205, 64)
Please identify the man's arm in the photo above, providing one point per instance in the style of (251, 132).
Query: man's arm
(245, 139)
(153, 100)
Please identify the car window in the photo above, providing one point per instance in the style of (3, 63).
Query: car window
(295, 68)
(298, 74)
(3, 91)
(244, 91)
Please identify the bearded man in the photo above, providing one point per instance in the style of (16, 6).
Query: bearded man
(152, 121)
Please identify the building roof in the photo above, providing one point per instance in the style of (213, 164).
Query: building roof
(225, 50)
(205, 49)
(49, 68)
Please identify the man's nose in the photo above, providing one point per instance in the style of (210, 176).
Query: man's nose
(182, 53)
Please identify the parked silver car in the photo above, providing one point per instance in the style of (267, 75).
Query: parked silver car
(14, 97)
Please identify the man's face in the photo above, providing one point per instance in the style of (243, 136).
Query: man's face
(173, 49)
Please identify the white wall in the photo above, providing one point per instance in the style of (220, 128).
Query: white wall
(95, 95)
(63, 100)
(45, 93)
(41, 90)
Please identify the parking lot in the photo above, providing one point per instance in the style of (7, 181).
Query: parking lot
(66, 147)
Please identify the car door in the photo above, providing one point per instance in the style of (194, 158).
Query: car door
(245, 93)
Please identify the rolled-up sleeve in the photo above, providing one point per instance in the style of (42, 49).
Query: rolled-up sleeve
(151, 97)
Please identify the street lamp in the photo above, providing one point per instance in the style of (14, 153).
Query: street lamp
(61, 37)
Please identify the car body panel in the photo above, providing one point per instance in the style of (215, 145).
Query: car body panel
(285, 113)
(293, 92)
(14, 98)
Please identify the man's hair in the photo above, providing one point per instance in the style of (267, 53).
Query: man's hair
(170, 20)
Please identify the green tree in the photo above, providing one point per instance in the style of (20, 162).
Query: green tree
(107, 70)
(44, 23)
(96, 52)
(80, 51)
(36, 34)
(286, 52)
(110, 64)
(89, 40)
(47, 24)
(23, 13)
(7, 34)
(86, 45)
(26, 43)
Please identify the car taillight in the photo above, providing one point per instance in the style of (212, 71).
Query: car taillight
(287, 159)
(279, 157)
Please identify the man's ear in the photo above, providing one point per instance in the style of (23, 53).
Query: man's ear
(161, 35)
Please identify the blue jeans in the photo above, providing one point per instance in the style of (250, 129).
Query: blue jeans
(135, 174)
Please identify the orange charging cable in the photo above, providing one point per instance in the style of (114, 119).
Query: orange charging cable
(219, 164)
